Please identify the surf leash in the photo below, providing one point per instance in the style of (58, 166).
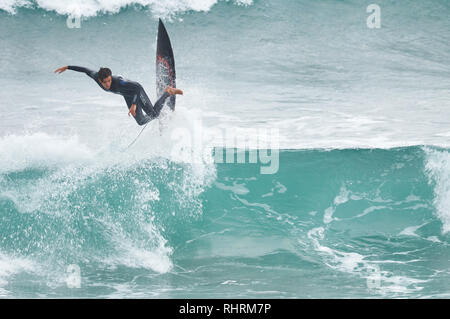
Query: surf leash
(131, 144)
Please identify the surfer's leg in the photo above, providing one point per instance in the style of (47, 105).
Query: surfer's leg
(145, 103)
(160, 103)
(152, 110)
(140, 117)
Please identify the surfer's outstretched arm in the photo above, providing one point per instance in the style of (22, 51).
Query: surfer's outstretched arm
(89, 72)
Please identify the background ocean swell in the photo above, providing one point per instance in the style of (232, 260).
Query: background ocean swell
(335, 221)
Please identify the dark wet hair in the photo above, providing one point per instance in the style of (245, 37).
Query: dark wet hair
(103, 73)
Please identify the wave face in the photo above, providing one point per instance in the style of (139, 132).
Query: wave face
(360, 204)
(353, 223)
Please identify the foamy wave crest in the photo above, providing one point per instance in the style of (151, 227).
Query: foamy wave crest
(90, 8)
(438, 170)
(9, 266)
(18, 152)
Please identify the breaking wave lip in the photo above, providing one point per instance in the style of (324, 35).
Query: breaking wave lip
(19, 152)
(92, 8)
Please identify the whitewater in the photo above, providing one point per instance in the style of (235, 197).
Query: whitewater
(358, 204)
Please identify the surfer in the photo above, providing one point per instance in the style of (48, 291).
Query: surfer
(134, 94)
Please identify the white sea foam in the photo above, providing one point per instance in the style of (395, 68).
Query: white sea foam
(341, 198)
(238, 189)
(10, 266)
(90, 8)
(156, 258)
(149, 252)
(18, 152)
(109, 147)
(410, 231)
(74, 163)
(378, 281)
(438, 169)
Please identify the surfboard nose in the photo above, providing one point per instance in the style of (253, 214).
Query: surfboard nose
(165, 65)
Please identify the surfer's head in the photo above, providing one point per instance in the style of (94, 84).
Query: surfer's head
(104, 76)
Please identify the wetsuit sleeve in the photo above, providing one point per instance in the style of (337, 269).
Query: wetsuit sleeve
(89, 72)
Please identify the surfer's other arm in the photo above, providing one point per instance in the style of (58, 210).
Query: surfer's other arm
(132, 110)
(133, 89)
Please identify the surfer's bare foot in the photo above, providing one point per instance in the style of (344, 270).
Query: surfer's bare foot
(173, 91)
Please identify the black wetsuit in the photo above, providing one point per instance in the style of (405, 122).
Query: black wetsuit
(133, 93)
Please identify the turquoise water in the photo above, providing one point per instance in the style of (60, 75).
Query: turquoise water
(320, 227)
(359, 206)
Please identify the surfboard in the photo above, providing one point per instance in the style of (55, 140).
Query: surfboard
(165, 65)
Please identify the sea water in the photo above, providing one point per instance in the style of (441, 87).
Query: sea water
(357, 205)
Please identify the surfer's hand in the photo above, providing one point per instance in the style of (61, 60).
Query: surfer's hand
(61, 69)
(132, 110)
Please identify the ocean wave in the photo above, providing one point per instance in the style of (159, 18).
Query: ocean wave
(143, 218)
(63, 200)
(91, 8)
